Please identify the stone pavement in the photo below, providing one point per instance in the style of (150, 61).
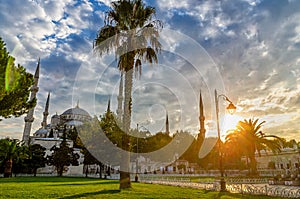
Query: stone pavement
(253, 189)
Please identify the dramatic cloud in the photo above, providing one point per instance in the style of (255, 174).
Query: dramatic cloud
(250, 53)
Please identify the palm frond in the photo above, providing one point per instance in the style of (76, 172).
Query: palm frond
(131, 33)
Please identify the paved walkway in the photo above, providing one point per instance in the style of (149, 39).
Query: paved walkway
(253, 189)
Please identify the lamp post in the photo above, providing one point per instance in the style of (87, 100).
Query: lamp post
(136, 178)
(231, 108)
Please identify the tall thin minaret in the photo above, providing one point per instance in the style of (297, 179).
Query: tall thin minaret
(29, 118)
(201, 119)
(120, 99)
(167, 124)
(46, 113)
(108, 106)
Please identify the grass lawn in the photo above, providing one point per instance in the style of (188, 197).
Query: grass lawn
(68, 187)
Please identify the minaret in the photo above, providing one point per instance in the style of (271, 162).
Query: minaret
(108, 106)
(46, 113)
(29, 118)
(120, 99)
(167, 124)
(202, 130)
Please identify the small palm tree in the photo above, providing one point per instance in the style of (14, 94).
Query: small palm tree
(232, 155)
(132, 34)
(10, 150)
(249, 139)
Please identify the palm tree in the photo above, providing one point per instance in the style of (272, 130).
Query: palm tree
(10, 150)
(250, 139)
(232, 155)
(20, 157)
(132, 34)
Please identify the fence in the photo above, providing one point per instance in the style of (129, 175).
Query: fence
(243, 186)
(256, 189)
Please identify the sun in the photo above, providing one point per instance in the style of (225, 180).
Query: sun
(228, 123)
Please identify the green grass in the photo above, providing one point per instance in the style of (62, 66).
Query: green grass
(67, 187)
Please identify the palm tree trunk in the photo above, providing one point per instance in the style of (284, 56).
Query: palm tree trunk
(247, 165)
(125, 161)
(34, 172)
(253, 165)
(8, 168)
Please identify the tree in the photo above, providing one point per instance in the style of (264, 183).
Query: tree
(73, 135)
(90, 159)
(10, 150)
(232, 156)
(191, 154)
(109, 124)
(62, 156)
(36, 157)
(15, 85)
(129, 30)
(290, 143)
(210, 161)
(20, 158)
(250, 139)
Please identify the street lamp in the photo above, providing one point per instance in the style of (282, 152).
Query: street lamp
(136, 178)
(231, 109)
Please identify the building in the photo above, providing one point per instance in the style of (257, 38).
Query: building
(49, 135)
(286, 162)
(70, 118)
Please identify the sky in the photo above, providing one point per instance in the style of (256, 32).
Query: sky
(246, 49)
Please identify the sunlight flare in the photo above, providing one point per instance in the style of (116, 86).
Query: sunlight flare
(229, 122)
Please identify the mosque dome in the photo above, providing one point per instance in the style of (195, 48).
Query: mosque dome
(74, 123)
(55, 116)
(41, 132)
(55, 120)
(76, 113)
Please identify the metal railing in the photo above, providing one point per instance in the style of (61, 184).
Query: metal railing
(258, 189)
(247, 180)
(243, 186)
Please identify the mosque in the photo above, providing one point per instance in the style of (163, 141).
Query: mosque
(69, 118)
(50, 134)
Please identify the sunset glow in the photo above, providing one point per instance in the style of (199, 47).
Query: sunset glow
(247, 50)
(229, 122)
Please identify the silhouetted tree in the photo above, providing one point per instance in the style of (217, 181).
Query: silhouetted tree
(20, 159)
(15, 85)
(62, 156)
(51, 134)
(10, 150)
(89, 159)
(73, 135)
(36, 157)
(249, 139)
(211, 160)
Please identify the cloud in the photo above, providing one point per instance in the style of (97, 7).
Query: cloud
(253, 46)
(173, 4)
(106, 2)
